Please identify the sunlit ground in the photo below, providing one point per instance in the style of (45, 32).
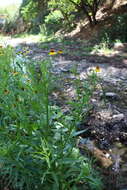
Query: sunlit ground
(24, 38)
(9, 2)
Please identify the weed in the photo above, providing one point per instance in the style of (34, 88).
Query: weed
(102, 48)
(37, 144)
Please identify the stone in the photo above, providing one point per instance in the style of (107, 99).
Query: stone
(118, 117)
(111, 95)
(93, 100)
(116, 127)
(64, 70)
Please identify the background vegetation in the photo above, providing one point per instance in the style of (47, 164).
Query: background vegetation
(51, 16)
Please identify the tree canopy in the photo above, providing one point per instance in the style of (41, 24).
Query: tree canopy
(40, 8)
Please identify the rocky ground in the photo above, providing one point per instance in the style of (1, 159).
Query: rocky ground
(106, 124)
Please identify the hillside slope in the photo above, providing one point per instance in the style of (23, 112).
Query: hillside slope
(108, 17)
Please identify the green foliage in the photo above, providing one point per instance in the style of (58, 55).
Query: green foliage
(64, 14)
(51, 20)
(84, 91)
(53, 17)
(59, 14)
(37, 144)
(115, 31)
(66, 8)
(29, 11)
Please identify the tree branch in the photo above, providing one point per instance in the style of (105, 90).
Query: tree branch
(76, 5)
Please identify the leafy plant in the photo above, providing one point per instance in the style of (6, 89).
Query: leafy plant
(84, 91)
(37, 144)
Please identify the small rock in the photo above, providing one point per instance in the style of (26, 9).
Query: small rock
(93, 100)
(122, 78)
(111, 95)
(65, 70)
(115, 127)
(107, 155)
(117, 139)
(118, 45)
(71, 77)
(118, 117)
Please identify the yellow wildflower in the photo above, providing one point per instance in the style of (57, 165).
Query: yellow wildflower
(60, 52)
(29, 81)
(25, 48)
(1, 54)
(25, 76)
(6, 91)
(97, 69)
(28, 51)
(19, 52)
(23, 53)
(52, 52)
(1, 50)
(15, 73)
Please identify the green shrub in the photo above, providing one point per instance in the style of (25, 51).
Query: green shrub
(53, 19)
(117, 30)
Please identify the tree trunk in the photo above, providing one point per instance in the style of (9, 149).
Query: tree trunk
(85, 8)
(94, 9)
(42, 10)
(94, 20)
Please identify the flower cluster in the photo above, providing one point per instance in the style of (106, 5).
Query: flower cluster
(25, 51)
(53, 52)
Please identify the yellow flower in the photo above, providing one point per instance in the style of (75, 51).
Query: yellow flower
(97, 69)
(52, 52)
(29, 81)
(28, 51)
(6, 91)
(15, 73)
(18, 53)
(1, 54)
(23, 53)
(60, 52)
(25, 48)
(25, 76)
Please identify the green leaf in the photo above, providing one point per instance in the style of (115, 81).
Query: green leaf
(79, 132)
